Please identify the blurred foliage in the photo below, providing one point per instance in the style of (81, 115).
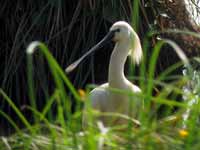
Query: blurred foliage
(193, 7)
(69, 28)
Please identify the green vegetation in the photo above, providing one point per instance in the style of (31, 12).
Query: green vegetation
(65, 132)
(56, 126)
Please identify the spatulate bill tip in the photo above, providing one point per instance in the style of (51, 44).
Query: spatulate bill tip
(70, 68)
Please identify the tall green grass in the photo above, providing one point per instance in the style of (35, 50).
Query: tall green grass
(160, 122)
(63, 26)
(165, 132)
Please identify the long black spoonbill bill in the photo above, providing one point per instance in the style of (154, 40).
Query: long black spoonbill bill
(102, 97)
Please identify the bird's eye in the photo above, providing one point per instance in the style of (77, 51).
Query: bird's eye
(117, 30)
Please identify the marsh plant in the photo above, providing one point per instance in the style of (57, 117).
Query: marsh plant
(169, 119)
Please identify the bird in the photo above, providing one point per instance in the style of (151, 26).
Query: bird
(103, 98)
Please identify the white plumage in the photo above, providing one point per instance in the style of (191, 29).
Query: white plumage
(103, 98)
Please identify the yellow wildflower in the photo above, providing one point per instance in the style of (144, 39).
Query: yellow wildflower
(183, 133)
(82, 93)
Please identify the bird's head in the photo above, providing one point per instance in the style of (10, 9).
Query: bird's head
(124, 32)
(119, 31)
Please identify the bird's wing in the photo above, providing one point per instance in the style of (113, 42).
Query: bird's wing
(97, 101)
(99, 96)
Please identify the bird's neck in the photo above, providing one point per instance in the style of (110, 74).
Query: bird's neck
(116, 77)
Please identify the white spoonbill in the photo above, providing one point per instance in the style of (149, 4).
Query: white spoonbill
(102, 97)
